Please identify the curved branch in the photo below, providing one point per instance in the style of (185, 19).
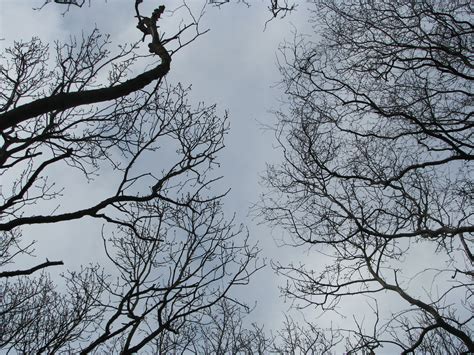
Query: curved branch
(64, 101)
(429, 309)
(31, 270)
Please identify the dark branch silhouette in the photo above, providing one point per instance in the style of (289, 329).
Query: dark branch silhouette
(171, 255)
(377, 175)
(31, 270)
(63, 101)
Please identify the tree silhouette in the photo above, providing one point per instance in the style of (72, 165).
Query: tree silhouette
(377, 174)
(172, 255)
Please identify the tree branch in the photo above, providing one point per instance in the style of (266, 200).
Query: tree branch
(31, 270)
(64, 101)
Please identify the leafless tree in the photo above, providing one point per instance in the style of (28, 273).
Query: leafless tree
(225, 330)
(377, 148)
(221, 330)
(172, 255)
(304, 338)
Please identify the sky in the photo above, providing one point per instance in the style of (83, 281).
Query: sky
(233, 65)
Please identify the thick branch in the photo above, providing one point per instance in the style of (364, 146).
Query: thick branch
(64, 101)
(90, 211)
(30, 271)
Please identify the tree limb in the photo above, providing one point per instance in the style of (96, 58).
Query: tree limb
(64, 101)
(31, 270)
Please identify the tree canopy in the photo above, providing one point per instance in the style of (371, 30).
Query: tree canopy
(377, 172)
(374, 185)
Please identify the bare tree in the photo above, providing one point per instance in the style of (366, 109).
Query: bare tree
(304, 338)
(221, 330)
(172, 255)
(377, 174)
(225, 330)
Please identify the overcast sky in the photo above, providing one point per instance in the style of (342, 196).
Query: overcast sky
(234, 65)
